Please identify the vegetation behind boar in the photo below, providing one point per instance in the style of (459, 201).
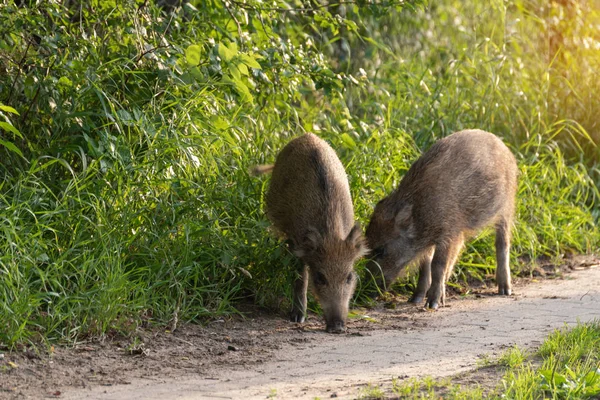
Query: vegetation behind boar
(465, 182)
(309, 202)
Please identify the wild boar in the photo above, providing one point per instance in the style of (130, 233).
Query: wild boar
(463, 183)
(309, 203)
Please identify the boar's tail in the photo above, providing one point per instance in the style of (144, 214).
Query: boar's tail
(261, 169)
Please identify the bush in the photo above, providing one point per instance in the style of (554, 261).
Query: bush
(128, 133)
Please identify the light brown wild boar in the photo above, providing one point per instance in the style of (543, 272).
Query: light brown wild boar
(309, 202)
(463, 183)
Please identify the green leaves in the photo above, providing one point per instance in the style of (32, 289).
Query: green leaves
(236, 64)
(235, 71)
(10, 146)
(6, 126)
(250, 60)
(233, 65)
(65, 83)
(570, 384)
(237, 83)
(193, 54)
(9, 128)
(348, 141)
(8, 109)
(227, 52)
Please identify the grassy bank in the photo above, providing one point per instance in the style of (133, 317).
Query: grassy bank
(564, 367)
(128, 133)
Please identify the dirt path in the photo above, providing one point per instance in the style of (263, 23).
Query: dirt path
(421, 343)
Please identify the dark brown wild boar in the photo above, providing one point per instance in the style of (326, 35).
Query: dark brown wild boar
(309, 202)
(463, 183)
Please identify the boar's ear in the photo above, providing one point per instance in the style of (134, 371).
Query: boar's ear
(357, 241)
(383, 212)
(403, 218)
(310, 243)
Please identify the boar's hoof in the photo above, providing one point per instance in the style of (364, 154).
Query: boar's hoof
(336, 327)
(432, 305)
(416, 299)
(297, 316)
(504, 291)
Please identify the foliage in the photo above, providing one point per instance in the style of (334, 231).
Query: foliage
(127, 132)
(568, 369)
(9, 128)
(569, 385)
(371, 392)
(429, 388)
(513, 357)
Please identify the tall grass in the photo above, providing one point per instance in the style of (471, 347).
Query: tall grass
(132, 203)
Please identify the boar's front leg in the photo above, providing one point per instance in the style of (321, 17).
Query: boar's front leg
(443, 260)
(424, 278)
(299, 302)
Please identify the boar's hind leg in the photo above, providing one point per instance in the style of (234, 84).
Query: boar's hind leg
(502, 257)
(424, 278)
(442, 264)
(299, 304)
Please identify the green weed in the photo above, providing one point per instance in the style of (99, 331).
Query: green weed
(565, 367)
(429, 388)
(569, 368)
(513, 357)
(371, 392)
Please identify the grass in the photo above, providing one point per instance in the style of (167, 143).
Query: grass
(371, 392)
(513, 357)
(569, 367)
(429, 388)
(128, 201)
(566, 366)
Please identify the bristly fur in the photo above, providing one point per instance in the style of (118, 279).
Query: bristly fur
(309, 201)
(463, 183)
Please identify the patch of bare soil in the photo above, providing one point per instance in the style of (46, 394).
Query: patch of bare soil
(194, 350)
(191, 349)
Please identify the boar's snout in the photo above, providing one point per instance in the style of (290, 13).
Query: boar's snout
(336, 327)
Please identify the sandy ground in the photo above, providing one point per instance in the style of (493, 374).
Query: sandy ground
(267, 357)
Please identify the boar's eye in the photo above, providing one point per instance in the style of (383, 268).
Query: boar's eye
(320, 279)
(379, 252)
(349, 278)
